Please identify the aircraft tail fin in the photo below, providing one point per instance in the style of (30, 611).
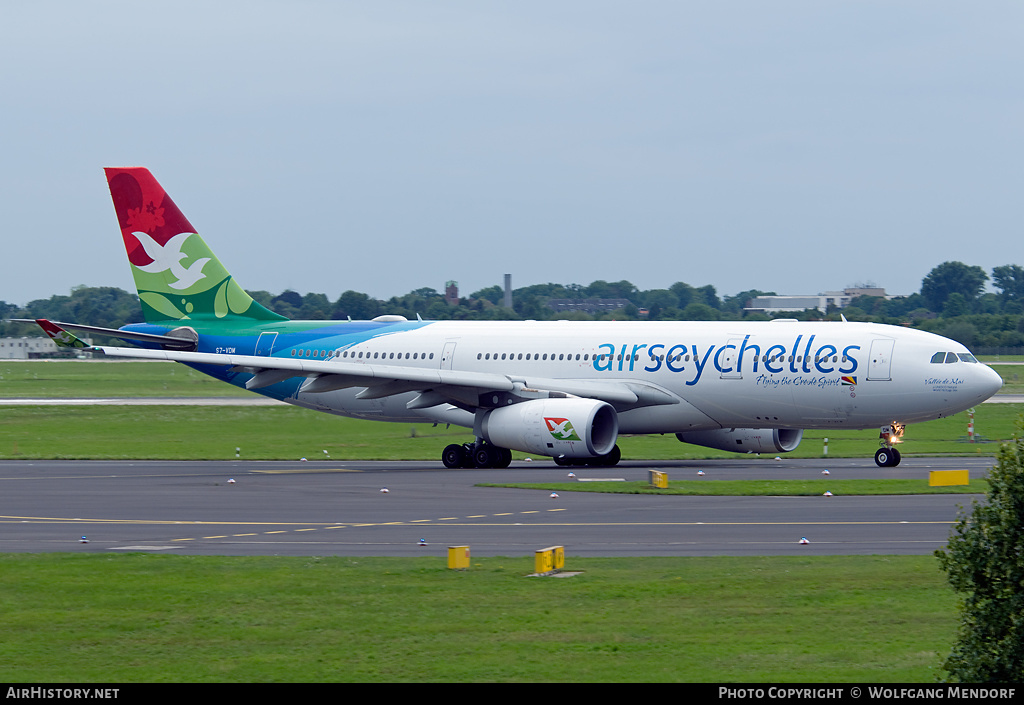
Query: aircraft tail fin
(177, 275)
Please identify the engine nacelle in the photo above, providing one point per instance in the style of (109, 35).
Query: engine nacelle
(574, 428)
(746, 440)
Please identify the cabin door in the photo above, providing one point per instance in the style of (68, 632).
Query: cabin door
(880, 364)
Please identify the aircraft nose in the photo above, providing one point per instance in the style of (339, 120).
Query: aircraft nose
(989, 383)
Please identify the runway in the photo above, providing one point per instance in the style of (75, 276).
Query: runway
(337, 508)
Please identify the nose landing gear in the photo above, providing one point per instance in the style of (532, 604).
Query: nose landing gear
(887, 456)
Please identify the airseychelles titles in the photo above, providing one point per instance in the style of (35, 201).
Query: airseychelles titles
(734, 358)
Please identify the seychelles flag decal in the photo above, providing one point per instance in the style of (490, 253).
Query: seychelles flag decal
(849, 381)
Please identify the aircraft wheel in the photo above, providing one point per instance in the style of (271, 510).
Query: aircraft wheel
(887, 457)
(611, 458)
(486, 456)
(504, 458)
(453, 456)
(562, 462)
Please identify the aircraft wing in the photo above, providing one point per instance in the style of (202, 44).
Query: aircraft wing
(436, 386)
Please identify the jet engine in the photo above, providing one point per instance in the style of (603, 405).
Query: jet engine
(746, 440)
(574, 428)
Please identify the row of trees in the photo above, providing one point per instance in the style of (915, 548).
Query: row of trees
(679, 302)
(952, 302)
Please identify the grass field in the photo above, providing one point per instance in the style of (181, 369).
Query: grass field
(159, 618)
(48, 379)
(290, 433)
(81, 379)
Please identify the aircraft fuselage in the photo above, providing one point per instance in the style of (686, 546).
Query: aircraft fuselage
(776, 374)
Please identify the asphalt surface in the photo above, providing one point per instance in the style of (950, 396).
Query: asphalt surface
(338, 508)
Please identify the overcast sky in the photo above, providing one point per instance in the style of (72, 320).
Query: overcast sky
(386, 146)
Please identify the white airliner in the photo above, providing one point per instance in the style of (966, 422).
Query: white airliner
(557, 388)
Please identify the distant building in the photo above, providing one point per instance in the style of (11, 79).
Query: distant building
(839, 299)
(451, 293)
(587, 305)
(29, 348)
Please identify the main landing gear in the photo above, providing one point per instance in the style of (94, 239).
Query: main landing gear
(485, 455)
(476, 455)
(887, 456)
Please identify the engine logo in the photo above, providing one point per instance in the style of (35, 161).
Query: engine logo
(561, 429)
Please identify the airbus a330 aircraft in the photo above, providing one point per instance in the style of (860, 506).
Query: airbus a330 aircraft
(562, 389)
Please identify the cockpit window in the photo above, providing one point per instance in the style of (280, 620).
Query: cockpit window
(967, 357)
(938, 357)
(951, 358)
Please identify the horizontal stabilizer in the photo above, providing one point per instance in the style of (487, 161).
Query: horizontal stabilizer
(182, 339)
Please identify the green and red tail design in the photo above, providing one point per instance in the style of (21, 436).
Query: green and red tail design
(178, 277)
(61, 337)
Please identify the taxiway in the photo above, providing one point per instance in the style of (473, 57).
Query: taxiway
(338, 508)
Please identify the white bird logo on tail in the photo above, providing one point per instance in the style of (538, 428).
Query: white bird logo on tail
(169, 256)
